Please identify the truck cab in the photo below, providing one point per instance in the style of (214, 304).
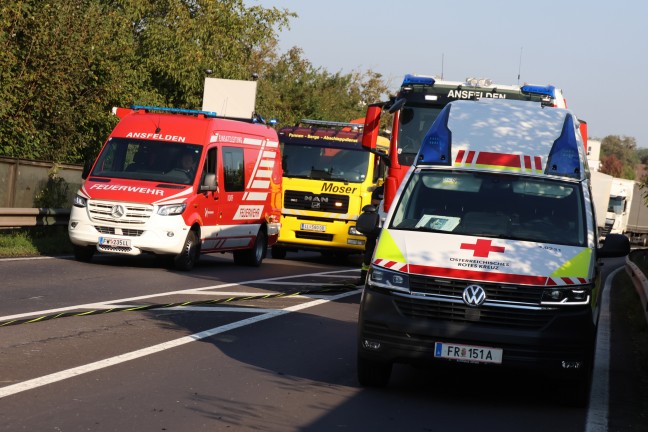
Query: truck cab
(327, 179)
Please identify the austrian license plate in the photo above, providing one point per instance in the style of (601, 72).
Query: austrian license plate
(468, 353)
(115, 242)
(313, 227)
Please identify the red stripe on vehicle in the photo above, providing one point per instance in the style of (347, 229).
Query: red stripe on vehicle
(477, 275)
(498, 159)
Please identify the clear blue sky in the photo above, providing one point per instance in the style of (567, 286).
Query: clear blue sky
(596, 51)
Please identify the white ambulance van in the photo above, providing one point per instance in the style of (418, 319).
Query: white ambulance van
(489, 254)
(176, 183)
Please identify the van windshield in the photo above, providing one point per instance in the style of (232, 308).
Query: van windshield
(159, 161)
(493, 205)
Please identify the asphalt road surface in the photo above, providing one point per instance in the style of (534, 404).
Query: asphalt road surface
(280, 363)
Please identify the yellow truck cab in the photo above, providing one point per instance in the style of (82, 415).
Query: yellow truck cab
(489, 254)
(327, 179)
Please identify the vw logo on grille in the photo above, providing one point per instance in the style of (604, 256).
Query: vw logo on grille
(117, 211)
(474, 295)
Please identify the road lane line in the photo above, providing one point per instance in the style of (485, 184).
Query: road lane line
(112, 361)
(597, 412)
(100, 305)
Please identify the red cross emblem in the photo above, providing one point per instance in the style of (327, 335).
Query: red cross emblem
(482, 248)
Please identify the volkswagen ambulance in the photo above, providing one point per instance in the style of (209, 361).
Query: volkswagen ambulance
(178, 183)
(489, 254)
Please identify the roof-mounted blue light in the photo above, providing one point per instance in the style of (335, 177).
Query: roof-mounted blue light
(564, 159)
(418, 80)
(174, 110)
(548, 90)
(435, 148)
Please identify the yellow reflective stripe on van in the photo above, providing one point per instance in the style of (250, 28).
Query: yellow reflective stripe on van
(386, 249)
(577, 266)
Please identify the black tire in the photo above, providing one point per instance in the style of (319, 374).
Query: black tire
(373, 373)
(278, 252)
(253, 257)
(576, 392)
(84, 253)
(188, 257)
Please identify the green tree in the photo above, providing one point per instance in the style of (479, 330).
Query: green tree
(612, 166)
(291, 89)
(624, 150)
(180, 40)
(642, 154)
(65, 63)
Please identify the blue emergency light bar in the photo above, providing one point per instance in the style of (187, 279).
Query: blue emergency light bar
(435, 148)
(564, 159)
(174, 110)
(418, 80)
(539, 90)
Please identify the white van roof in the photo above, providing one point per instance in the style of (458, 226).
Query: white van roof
(506, 135)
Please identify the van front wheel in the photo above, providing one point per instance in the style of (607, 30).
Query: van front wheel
(372, 373)
(187, 258)
(84, 253)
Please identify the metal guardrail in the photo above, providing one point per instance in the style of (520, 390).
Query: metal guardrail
(32, 217)
(641, 284)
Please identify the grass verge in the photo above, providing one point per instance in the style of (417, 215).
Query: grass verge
(36, 241)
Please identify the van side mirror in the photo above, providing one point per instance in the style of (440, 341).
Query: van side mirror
(209, 183)
(614, 246)
(368, 222)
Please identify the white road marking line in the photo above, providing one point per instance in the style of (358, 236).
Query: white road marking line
(101, 364)
(597, 412)
(101, 305)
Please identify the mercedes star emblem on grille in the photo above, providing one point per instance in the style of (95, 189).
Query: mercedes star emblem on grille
(118, 211)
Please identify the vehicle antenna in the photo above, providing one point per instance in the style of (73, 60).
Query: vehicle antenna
(520, 66)
(442, 65)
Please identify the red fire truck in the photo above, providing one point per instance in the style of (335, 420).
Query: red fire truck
(178, 182)
(418, 103)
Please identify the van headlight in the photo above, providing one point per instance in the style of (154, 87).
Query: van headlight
(573, 296)
(171, 209)
(382, 278)
(79, 201)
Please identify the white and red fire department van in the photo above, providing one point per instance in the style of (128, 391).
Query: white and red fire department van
(489, 255)
(176, 183)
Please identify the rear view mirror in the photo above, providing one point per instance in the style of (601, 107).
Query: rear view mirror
(368, 222)
(209, 183)
(614, 246)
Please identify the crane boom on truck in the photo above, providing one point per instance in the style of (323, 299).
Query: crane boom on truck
(417, 104)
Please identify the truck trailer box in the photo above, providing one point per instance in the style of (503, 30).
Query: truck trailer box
(637, 226)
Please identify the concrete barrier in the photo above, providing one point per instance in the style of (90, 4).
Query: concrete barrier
(641, 284)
